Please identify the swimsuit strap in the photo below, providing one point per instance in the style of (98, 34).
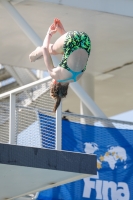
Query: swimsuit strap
(74, 76)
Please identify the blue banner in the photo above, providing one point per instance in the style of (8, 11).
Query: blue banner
(114, 150)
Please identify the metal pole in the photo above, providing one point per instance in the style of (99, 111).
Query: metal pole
(87, 83)
(14, 74)
(31, 34)
(85, 98)
(12, 119)
(22, 23)
(59, 127)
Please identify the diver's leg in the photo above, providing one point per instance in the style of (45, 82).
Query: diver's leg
(54, 49)
(37, 53)
(57, 47)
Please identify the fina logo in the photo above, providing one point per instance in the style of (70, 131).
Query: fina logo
(120, 190)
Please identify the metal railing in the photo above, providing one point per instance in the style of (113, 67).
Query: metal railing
(23, 112)
(28, 95)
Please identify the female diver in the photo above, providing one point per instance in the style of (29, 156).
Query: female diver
(75, 47)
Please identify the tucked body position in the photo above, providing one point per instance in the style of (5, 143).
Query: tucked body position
(75, 47)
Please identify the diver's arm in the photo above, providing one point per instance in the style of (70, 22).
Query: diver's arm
(54, 72)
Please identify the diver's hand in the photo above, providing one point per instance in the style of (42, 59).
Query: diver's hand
(52, 30)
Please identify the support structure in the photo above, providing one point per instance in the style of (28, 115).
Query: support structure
(86, 99)
(87, 82)
(21, 81)
(12, 119)
(59, 127)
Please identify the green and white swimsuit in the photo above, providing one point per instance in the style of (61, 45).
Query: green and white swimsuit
(74, 40)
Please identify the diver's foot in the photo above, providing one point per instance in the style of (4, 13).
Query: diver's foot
(36, 54)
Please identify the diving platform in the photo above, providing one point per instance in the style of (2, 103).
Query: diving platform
(26, 170)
